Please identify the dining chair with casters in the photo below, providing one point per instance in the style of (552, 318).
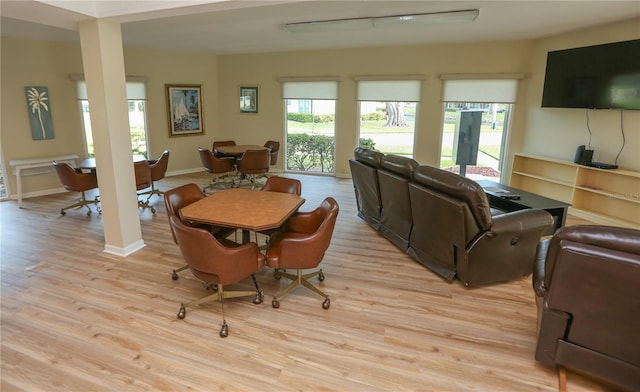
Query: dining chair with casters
(282, 185)
(217, 262)
(274, 147)
(252, 165)
(223, 170)
(302, 245)
(180, 197)
(158, 169)
(75, 180)
(221, 143)
(142, 173)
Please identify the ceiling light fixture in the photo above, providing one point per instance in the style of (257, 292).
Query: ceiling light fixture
(383, 21)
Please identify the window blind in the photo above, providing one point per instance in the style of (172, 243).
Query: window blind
(310, 90)
(389, 90)
(135, 90)
(492, 91)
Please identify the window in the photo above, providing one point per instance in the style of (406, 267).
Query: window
(476, 126)
(310, 109)
(137, 117)
(387, 111)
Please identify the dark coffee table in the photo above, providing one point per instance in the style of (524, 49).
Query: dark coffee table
(508, 199)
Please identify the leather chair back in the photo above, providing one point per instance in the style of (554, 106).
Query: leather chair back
(305, 239)
(364, 174)
(396, 220)
(142, 174)
(75, 180)
(219, 144)
(212, 260)
(586, 285)
(254, 162)
(159, 166)
(283, 185)
(213, 164)
(274, 146)
(180, 197)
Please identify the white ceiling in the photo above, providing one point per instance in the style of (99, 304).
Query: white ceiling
(246, 26)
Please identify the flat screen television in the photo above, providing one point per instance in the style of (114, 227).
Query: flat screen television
(594, 77)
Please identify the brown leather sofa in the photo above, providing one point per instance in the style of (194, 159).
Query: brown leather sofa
(454, 233)
(587, 286)
(364, 171)
(443, 220)
(394, 176)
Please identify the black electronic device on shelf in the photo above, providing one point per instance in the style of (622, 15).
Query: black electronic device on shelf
(600, 165)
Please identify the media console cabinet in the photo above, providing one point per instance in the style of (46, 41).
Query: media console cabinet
(607, 197)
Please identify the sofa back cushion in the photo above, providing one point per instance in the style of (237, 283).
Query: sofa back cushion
(364, 174)
(458, 187)
(396, 221)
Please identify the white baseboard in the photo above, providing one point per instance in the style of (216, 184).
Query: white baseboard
(126, 251)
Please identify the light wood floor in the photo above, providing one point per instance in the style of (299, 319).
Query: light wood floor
(77, 319)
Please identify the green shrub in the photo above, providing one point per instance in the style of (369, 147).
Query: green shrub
(367, 143)
(374, 116)
(308, 117)
(310, 152)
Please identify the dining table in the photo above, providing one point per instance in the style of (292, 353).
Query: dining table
(90, 163)
(244, 209)
(238, 150)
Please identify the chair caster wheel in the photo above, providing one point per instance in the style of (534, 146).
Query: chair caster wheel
(257, 299)
(224, 330)
(321, 276)
(326, 304)
(277, 275)
(62, 212)
(275, 303)
(174, 275)
(182, 312)
(153, 210)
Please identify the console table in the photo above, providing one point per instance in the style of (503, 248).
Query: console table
(501, 197)
(33, 166)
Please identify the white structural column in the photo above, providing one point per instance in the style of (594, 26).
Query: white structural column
(103, 61)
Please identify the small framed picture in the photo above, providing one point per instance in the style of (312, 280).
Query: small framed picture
(249, 99)
(184, 107)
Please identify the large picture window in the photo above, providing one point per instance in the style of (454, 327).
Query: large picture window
(137, 102)
(310, 109)
(387, 112)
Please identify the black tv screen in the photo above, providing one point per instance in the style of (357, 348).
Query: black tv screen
(594, 77)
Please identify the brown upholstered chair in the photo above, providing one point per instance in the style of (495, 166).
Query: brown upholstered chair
(180, 197)
(158, 169)
(364, 174)
(302, 245)
(282, 185)
(252, 164)
(454, 233)
(274, 146)
(586, 282)
(74, 180)
(223, 170)
(216, 144)
(142, 172)
(217, 263)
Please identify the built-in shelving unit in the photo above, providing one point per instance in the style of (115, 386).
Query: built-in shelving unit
(609, 197)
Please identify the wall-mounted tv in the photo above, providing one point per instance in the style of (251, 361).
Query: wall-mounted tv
(594, 77)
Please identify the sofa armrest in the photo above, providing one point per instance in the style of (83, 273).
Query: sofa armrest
(539, 268)
(521, 221)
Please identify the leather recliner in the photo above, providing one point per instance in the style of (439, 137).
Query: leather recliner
(396, 219)
(364, 173)
(586, 286)
(454, 233)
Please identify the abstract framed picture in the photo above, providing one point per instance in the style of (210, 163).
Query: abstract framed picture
(249, 99)
(184, 107)
(39, 108)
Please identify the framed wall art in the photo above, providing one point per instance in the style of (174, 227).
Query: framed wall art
(249, 99)
(184, 106)
(39, 108)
